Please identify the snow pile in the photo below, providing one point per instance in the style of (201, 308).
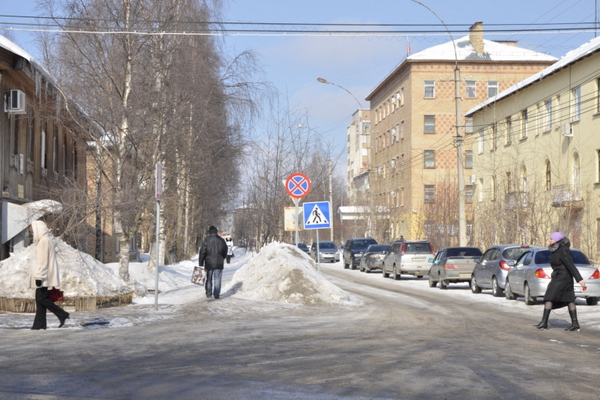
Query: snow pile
(80, 274)
(283, 273)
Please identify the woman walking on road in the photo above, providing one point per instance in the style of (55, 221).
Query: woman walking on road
(44, 274)
(560, 290)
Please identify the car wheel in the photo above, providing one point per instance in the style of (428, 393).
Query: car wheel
(508, 293)
(496, 291)
(346, 266)
(474, 287)
(396, 275)
(384, 272)
(528, 299)
(591, 301)
(432, 282)
(367, 270)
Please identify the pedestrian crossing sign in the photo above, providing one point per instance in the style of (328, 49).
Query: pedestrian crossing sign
(317, 215)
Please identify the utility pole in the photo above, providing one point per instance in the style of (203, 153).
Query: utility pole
(330, 200)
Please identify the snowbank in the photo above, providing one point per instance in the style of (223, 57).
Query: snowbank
(283, 273)
(80, 274)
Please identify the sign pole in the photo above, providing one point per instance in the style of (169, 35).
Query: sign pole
(296, 201)
(158, 198)
(318, 253)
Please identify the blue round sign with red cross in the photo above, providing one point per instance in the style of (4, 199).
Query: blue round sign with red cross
(297, 185)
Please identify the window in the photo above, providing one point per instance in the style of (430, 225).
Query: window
(469, 125)
(471, 89)
(401, 97)
(429, 194)
(15, 126)
(468, 193)
(548, 119)
(548, 176)
(402, 161)
(481, 141)
(539, 120)
(55, 150)
(30, 126)
(509, 130)
(429, 158)
(576, 105)
(508, 183)
(402, 197)
(429, 89)
(492, 88)
(429, 124)
(494, 137)
(469, 159)
(402, 130)
(557, 109)
(43, 152)
(524, 124)
(395, 134)
(576, 175)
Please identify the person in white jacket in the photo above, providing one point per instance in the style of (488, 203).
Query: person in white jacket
(44, 274)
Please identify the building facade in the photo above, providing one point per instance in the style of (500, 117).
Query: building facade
(537, 156)
(413, 129)
(41, 156)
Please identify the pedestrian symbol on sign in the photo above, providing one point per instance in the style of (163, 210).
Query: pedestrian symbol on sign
(316, 217)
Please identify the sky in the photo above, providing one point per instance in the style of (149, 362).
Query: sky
(293, 63)
(276, 278)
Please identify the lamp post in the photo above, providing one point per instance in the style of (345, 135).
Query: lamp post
(322, 80)
(462, 223)
(330, 180)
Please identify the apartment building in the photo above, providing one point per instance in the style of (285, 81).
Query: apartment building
(537, 156)
(413, 129)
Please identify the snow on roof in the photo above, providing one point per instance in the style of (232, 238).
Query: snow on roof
(492, 51)
(570, 58)
(283, 273)
(12, 47)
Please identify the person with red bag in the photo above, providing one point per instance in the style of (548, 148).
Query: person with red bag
(44, 274)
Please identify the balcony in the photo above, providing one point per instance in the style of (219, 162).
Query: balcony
(566, 196)
(513, 200)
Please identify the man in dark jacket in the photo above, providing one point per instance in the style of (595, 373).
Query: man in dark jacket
(211, 256)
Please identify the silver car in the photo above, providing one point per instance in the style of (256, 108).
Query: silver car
(453, 265)
(491, 270)
(409, 257)
(327, 252)
(530, 277)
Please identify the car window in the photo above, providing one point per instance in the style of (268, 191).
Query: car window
(394, 249)
(512, 253)
(417, 248)
(487, 255)
(377, 247)
(463, 252)
(326, 245)
(543, 257)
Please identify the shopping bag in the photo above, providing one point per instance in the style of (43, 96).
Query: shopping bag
(199, 276)
(56, 295)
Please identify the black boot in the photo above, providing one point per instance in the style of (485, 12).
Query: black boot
(544, 322)
(574, 323)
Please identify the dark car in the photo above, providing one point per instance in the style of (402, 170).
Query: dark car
(303, 247)
(354, 249)
(372, 258)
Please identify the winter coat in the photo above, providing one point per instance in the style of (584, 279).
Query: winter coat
(44, 266)
(560, 289)
(213, 252)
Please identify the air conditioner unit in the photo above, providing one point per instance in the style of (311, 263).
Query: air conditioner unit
(567, 131)
(14, 102)
(473, 180)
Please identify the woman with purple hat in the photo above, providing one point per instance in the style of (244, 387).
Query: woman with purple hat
(560, 290)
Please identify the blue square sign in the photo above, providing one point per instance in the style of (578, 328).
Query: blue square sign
(317, 215)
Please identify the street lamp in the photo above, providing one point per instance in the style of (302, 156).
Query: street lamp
(330, 184)
(322, 80)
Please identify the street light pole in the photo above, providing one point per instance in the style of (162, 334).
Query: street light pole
(322, 80)
(462, 221)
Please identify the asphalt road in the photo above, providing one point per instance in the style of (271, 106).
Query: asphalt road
(402, 344)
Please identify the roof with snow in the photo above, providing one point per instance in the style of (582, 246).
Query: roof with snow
(12, 47)
(492, 51)
(570, 58)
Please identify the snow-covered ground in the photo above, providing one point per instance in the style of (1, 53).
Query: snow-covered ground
(277, 277)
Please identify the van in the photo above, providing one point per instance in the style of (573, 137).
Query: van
(408, 257)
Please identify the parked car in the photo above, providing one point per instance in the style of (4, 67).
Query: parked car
(327, 252)
(373, 256)
(453, 265)
(491, 270)
(530, 276)
(408, 257)
(354, 249)
(341, 250)
(303, 247)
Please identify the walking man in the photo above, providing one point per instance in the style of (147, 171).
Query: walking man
(212, 254)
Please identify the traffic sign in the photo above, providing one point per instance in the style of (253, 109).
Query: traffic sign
(317, 215)
(297, 185)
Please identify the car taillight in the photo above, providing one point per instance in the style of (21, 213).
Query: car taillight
(504, 265)
(403, 248)
(595, 275)
(539, 273)
(449, 266)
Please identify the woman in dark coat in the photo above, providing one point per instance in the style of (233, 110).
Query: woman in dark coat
(560, 290)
